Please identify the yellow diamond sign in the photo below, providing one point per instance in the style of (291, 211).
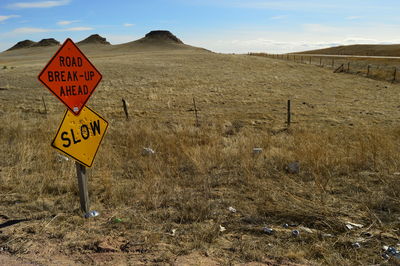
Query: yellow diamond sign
(80, 136)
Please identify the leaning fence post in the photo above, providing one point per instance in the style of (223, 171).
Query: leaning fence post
(44, 104)
(195, 112)
(288, 113)
(125, 105)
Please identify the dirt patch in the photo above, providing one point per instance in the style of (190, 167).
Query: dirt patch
(12, 261)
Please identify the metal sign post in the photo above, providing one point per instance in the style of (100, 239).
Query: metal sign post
(72, 78)
(83, 188)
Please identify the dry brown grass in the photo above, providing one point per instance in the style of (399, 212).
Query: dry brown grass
(349, 162)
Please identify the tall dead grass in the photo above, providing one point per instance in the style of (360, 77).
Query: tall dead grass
(197, 173)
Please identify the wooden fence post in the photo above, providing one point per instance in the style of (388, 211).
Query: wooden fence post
(348, 67)
(44, 104)
(310, 60)
(83, 188)
(394, 74)
(320, 61)
(125, 106)
(195, 113)
(339, 69)
(368, 68)
(288, 113)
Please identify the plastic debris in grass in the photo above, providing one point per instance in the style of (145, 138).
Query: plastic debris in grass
(148, 151)
(289, 225)
(268, 230)
(295, 233)
(62, 158)
(222, 229)
(390, 252)
(231, 209)
(352, 226)
(257, 150)
(91, 214)
(173, 232)
(356, 245)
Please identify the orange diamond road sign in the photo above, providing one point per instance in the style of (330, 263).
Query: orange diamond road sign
(70, 76)
(79, 136)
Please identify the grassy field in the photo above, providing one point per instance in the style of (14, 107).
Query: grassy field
(360, 49)
(173, 206)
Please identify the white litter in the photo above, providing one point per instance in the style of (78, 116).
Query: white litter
(231, 209)
(148, 151)
(351, 226)
(61, 158)
(257, 150)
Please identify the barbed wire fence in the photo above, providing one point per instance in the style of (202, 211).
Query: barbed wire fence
(374, 68)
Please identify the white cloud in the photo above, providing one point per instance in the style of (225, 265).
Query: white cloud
(128, 25)
(66, 22)
(279, 17)
(28, 30)
(4, 18)
(353, 17)
(77, 29)
(295, 40)
(41, 4)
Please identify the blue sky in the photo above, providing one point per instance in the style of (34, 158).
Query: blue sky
(234, 26)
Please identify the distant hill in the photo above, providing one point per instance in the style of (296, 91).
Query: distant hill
(94, 39)
(360, 49)
(156, 40)
(160, 36)
(29, 43)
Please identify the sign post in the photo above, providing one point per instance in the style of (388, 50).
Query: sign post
(83, 189)
(72, 78)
